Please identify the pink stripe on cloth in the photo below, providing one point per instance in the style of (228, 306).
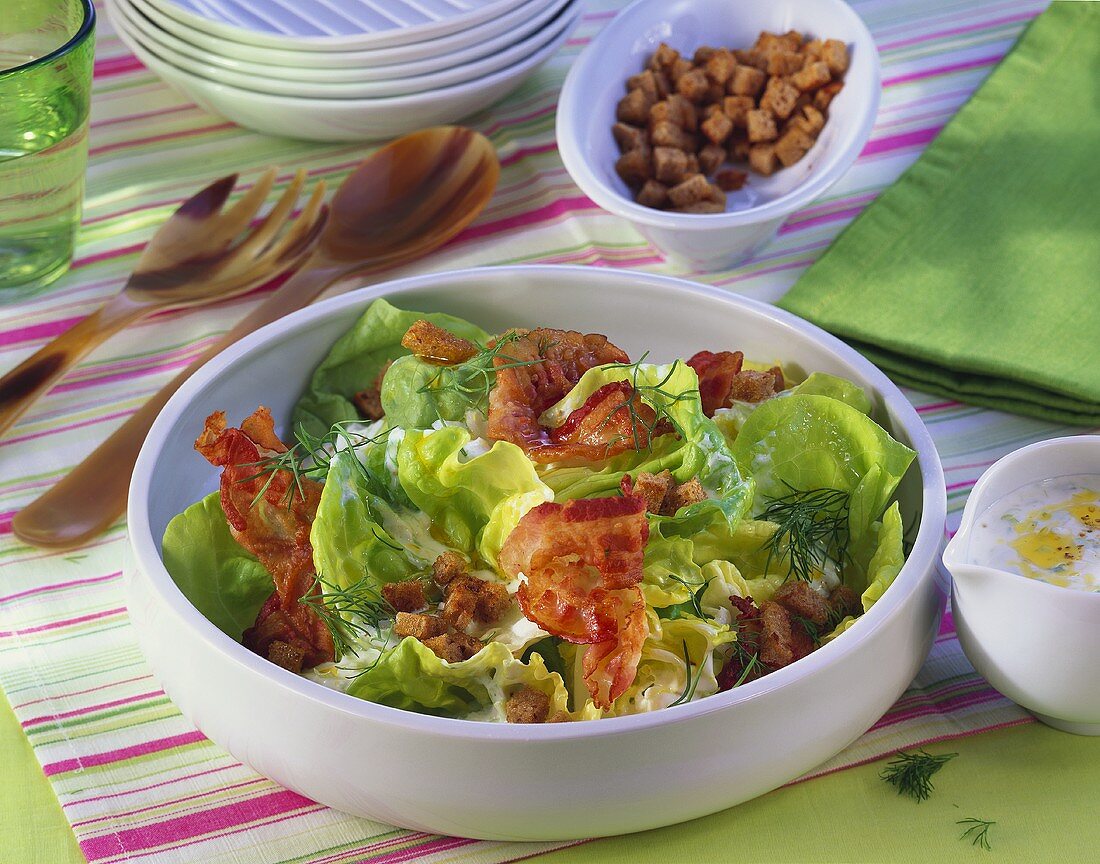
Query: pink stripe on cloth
(116, 66)
(145, 748)
(64, 622)
(955, 31)
(38, 332)
(550, 212)
(72, 693)
(57, 586)
(890, 143)
(920, 75)
(90, 709)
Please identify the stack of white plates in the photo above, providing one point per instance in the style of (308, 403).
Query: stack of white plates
(343, 70)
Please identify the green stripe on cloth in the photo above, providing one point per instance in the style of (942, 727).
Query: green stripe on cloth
(975, 275)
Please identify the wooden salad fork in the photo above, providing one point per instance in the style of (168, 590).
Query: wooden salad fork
(191, 260)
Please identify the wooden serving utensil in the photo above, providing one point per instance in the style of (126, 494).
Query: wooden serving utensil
(191, 260)
(402, 202)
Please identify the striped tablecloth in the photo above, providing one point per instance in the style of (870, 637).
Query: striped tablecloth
(135, 779)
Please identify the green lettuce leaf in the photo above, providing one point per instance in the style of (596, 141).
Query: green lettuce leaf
(222, 579)
(413, 678)
(888, 557)
(357, 358)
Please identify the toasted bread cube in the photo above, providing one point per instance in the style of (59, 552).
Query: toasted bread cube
(844, 602)
(676, 110)
(493, 600)
(448, 566)
(762, 158)
(460, 606)
(628, 137)
(802, 600)
(746, 81)
(720, 66)
(751, 58)
(809, 120)
(665, 134)
(286, 655)
(811, 76)
(418, 626)
(677, 69)
(785, 62)
(527, 705)
(693, 164)
(730, 179)
(453, 647)
(701, 207)
(693, 85)
(369, 403)
(664, 86)
(436, 345)
(780, 97)
(645, 81)
(738, 146)
(824, 96)
(693, 189)
(766, 43)
(634, 167)
(684, 494)
(737, 108)
(835, 55)
(405, 596)
(653, 488)
(669, 164)
(654, 194)
(782, 641)
(703, 54)
(633, 108)
(813, 48)
(761, 126)
(717, 127)
(711, 157)
(664, 56)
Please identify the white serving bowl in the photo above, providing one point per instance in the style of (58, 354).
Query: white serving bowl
(536, 15)
(261, 82)
(344, 119)
(477, 41)
(1037, 643)
(554, 781)
(596, 83)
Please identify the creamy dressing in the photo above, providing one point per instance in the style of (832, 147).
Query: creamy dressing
(1048, 531)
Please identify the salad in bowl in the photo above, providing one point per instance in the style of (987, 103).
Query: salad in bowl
(532, 526)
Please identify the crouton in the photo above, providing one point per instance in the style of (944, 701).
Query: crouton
(692, 85)
(527, 705)
(460, 603)
(748, 385)
(746, 81)
(766, 42)
(664, 56)
(809, 120)
(711, 157)
(737, 108)
(782, 641)
(369, 401)
(633, 108)
(730, 179)
(454, 647)
(702, 207)
(717, 127)
(692, 189)
(436, 345)
(811, 76)
(800, 598)
(738, 146)
(653, 194)
(628, 137)
(720, 66)
(493, 600)
(669, 164)
(634, 167)
(762, 158)
(779, 97)
(746, 57)
(835, 54)
(761, 126)
(813, 48)
(703, 54)
(653, 488)
(675, 110)
(683, 495)
(665, 134)
(645, 81)
(844, 602)
(405, 596)
(785, 62)
(826, 94)
(448, 566)
(286, 655)
(677, 69)
(422, 627)
(664, 86)
(793, 145)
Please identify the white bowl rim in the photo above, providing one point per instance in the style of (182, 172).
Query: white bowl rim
(1011, 462)
(305, 103)
(145, 547)
(610, 199)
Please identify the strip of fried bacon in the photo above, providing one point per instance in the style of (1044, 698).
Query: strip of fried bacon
(722, 380)
(273, 524)
(581, 563)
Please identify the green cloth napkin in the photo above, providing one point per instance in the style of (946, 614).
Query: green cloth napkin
(977, 274)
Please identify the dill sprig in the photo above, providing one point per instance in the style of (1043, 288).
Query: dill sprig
(347, 613)
(812, 529)
(695, 593)
(692, 683)
(653, 396)
(978, 832)
(911, 773)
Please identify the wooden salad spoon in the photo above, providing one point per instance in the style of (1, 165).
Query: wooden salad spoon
(191, 260)
(402, 202)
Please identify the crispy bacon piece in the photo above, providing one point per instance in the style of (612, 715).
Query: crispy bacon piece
(536, 370)
(436, 345)
(722, 380)
(582, 562)
(272, 525)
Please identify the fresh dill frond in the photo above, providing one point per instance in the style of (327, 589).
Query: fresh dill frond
(653, 396)
(695, 593)
(473, 379)
(911, 773)
(754, 662)
(978, 832)
(692, 683)
(347, 613)
(812, 529)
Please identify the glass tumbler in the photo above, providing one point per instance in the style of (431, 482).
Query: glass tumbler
(46, 52)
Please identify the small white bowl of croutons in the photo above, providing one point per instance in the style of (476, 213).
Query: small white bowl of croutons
(706, 123)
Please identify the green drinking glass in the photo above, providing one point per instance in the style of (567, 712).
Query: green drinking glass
(46, 53)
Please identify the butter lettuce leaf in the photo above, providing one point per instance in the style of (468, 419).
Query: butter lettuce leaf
(888, 557)
(356, 359)
(221, 578)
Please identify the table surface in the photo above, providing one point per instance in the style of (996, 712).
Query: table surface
(152, 147)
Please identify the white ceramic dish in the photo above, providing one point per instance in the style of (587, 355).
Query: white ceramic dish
(485, 51)
(346, 119)
(263, 83)
(477, 41)
(377, 24)
(1036, 643)
(595, 85)
(554, 781)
